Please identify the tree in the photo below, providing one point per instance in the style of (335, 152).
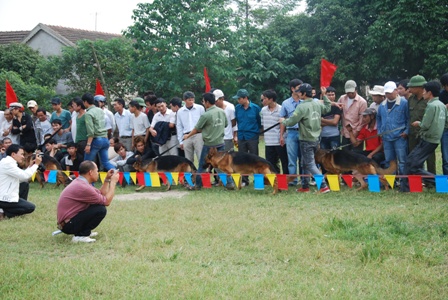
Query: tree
(176, 39)
(78, 67)
(19, 58)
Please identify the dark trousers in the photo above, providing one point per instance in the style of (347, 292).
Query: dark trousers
(86, 220)
(430, 160)
(415, 161)
(23, 207)
(276, 153)
(248, 146)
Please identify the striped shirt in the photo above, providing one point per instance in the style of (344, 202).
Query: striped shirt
(268, 119)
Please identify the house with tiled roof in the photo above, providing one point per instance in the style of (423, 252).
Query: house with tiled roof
(49, 40)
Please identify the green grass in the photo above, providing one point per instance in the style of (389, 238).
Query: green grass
(217, 244)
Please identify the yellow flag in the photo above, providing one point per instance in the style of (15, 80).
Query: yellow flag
(271, 178)
(175, 176)
(67, 173)
(333, 182)
(133, 176)
(236, 179)
(155, 179)
(33, 177)
(390, 179)
(102, 176)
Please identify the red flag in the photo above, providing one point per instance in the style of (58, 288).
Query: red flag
(327, 70)
(206, 180)
(99, 89)
(282, 182)
(207, 81)
(10, 94)
(415, 183)
(348, 180)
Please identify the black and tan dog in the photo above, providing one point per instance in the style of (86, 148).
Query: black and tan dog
(240, 162)
(340, 161)
(167, 163)
(48, 163)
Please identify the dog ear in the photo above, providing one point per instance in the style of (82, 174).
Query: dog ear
(138, 158)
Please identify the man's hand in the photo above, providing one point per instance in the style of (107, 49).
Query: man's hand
(323, 90)
(87, 149)
(403, 135)
(282, 141)
(38, 160)
(349, 128)
(281, 120)
(416, 123)
(153, 132)
(370, 155)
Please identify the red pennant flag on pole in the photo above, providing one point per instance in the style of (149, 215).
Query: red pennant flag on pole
(10, 94)
(327, 70)
(415, 183)
(99, 89)
(207, 81)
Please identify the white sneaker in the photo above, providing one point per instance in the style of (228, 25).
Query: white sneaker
(82, 239)
(93, 234)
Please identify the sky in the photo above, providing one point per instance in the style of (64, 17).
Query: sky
(112, 16)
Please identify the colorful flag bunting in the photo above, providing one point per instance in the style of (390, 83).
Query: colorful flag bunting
(333, 182)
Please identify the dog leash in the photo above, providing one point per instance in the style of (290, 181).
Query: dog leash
(368, 138)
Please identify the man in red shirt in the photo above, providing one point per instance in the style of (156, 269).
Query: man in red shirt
(374, 145)
(82, 207)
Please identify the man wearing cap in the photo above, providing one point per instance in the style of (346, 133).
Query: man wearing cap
(417, 106)
(61, 114)
(186, 119)
(369, 134)
(432, 125)
(139, 122)
(247, 116)
(97, 141)
(229, 110)
(110, 116)
(123, 120)
(309, 115)
(392, 115)
(378, 96)
(353, 105)
(23, 126)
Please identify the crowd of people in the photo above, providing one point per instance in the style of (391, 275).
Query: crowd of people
(406, 121)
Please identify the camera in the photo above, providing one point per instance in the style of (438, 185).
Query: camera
(41, 168)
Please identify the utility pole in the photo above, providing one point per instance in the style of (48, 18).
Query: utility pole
(106, 91)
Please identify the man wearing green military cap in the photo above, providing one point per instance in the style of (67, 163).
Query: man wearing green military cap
(417, 106)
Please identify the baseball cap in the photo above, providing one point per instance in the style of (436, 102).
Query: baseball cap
(377, 90)
(369, 111)
(389, 87)
(99, 98)
(16, 104)
(218, 94)
(242, 93)
(31, 103)
(350, 86)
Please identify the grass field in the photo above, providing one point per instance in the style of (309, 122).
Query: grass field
(218, 244)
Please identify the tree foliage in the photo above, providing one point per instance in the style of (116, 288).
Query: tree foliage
(79, 68)
(176, 39)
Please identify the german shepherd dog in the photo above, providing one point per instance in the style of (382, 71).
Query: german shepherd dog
(240, 162)
(339, 161)
(49, 163)
(167, 163)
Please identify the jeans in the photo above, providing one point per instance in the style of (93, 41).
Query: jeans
(86, 220)
(309, 164)
(330, 142)
(294, 155)
(415, 161)
(100, 145)
(444, 146)
(396, 150)
(204, 153)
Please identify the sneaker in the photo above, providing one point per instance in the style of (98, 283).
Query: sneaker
(93, 234)
(324, 190)
(303, 190)
(193, 188)
(312, 182)
(82, 239)
(140, 188)
(243, 184)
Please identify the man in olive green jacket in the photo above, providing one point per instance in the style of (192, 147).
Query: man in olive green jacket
(431, 127)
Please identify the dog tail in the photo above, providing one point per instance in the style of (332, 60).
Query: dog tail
(391, 170)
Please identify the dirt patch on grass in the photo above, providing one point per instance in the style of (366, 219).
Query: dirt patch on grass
(151, 196)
